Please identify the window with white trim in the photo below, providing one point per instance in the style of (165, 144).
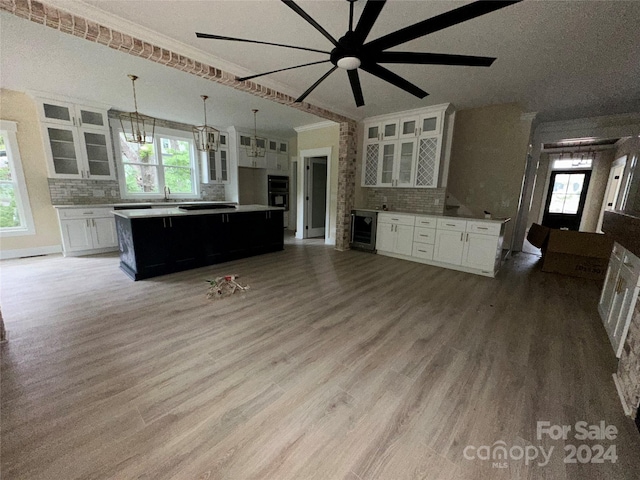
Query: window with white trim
(15, 212)
(171, 162)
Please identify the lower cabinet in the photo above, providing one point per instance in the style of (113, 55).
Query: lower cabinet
(86, 231)
(155, 246)
(619, 295)
(473, 246)
(449, 247)
(395, 234)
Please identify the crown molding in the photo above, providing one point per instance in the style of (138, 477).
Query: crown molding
(315, 126)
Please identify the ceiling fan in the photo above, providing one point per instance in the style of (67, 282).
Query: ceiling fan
(352, 53)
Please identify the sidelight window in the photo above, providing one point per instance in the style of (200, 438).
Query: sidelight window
(15, 213)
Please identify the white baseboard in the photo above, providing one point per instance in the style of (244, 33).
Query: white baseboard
(625, 407)
(30, 252)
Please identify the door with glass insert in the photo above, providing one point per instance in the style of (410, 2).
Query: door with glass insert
(566, 199)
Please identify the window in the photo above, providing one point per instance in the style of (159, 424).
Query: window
(581, 163)
(15, 213)
(146, 170)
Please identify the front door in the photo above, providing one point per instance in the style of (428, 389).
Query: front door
(566, 198)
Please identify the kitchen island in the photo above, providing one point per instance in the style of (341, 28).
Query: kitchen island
(158, 241)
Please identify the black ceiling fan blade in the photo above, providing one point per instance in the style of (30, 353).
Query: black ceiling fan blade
(293, 6)
(234, 39)
(242, 79)
(419, 58)
(354, 79)
(313, 87)
(439, 22)
(369, 16)
(393, 79)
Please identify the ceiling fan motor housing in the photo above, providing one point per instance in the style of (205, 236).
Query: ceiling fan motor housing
(348, 53)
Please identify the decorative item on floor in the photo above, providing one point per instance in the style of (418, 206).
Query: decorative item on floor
(134, 125)
(225, 287)
(206, 137)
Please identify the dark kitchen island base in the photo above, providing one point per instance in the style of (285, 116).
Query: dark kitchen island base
(166, 242)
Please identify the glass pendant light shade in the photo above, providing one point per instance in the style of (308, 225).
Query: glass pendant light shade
(207, 138)
(137, 128)
(258, 147)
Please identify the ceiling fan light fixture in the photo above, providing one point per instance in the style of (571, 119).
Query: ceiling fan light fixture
(206, 138)
(349, 63)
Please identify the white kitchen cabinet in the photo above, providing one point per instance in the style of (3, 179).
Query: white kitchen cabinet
(395, 234)
(619, 296)
(244, 146)
(87, 230)
(218, 164)
(404, 149)
(449, 247)
(473, 246)
(77, 141)
(277, 157)
(480, 251)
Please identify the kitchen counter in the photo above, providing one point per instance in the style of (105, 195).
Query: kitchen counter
(134, 205)
(439, 215)
(177, 212)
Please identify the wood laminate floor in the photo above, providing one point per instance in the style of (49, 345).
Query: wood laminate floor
(332, 366)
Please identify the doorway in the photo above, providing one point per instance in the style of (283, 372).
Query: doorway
(566, 198)
(315, 196)
(613, 188)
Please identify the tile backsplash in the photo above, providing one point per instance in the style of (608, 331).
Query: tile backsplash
(94, 192)
(415, 200)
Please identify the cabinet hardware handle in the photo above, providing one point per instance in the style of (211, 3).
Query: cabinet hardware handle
(82, 173)
(396, 219)
(88, 225)
(164, 223)
(450, 224)
(353, 219)
(482, 228)
(88, 174)
(467, 238)
(74, 120)
(423, 251)
(93, 220)
(88, 213)
(170, 223)
(461, 235)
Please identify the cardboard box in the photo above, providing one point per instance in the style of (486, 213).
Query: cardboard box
(579, 254)
(538, 236)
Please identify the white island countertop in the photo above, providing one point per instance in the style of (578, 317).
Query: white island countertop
(133, 205)
(438, 215)
(177, 212)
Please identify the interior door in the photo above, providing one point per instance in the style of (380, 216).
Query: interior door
(316, 198)
(566, 198)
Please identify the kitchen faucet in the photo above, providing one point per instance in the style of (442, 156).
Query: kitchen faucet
(167, 192)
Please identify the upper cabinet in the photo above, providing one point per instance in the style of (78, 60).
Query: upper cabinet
(404, 149)
(275, 160)
(218, 163)
(77, 140)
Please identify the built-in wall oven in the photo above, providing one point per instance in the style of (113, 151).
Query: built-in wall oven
(278, 191)
(363, 230)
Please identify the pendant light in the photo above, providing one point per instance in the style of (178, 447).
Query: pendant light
(207, 138)
(258, 144)
(136, 126)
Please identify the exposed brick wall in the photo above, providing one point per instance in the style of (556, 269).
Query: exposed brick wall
(346, 182)
(629, 364)
(414, 200)
(74, 25)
